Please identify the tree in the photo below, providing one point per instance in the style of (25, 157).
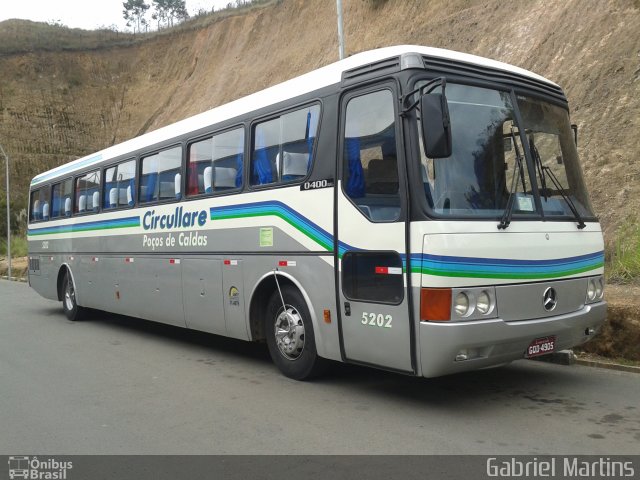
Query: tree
(166, 11)
(161, 13)
(134, 12)
(178, 10)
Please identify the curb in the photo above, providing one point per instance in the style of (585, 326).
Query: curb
(14, 279)
(567, 357)
(607, 365)
(563, 357)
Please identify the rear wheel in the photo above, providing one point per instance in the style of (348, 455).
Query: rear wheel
(71, 308)
(290, 336)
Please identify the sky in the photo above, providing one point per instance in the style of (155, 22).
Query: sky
(87, 14)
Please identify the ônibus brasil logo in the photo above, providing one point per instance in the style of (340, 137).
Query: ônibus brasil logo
(36, 469)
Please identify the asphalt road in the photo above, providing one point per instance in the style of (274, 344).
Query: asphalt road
(118, 385)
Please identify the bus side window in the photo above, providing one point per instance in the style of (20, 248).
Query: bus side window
(88, 192)
(119, 185)
(60, 199)
(39, 198)
(56, 193)
(370, 164)
(160, 175)
(216, 164)
(227, 160)
(199, 167)
(34, 206)
(283, 147)
(265, 150)
(110, 184)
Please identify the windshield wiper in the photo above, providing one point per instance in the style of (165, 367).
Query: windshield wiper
(538, 163)
(543, 182)
(506, 216)
(508, 211)
(566, 198)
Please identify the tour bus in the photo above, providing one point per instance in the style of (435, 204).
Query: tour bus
(408, 208)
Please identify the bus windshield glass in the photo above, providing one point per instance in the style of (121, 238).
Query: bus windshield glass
(553, 149)
(488, 161)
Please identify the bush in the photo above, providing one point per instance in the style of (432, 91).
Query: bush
(622, 258)
(18, 246)
(18, 223)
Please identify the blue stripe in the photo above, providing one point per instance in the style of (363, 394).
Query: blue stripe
(74, 227)
(599, 256)
(435, 262)
(439, 263)
(499, 266)
(286, 211)
(464, 267)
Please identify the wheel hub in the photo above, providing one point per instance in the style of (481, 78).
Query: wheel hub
(69, 295)
(289, 332)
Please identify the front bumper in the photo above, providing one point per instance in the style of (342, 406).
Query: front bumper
(496, 341)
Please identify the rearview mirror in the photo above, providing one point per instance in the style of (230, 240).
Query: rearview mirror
(574, 127)
(436, 128)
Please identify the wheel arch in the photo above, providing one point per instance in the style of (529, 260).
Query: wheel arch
(62, 271)
(260, 294)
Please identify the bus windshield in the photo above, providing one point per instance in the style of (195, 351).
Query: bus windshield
(555, 156)
(488, 163)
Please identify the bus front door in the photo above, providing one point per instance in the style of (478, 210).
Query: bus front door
(372, 293)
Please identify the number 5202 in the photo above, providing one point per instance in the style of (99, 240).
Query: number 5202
(376, 320)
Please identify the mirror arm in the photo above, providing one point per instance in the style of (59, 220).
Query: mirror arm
(431, 84)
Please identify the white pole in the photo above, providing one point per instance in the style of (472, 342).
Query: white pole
(340, 31)
(8, 218)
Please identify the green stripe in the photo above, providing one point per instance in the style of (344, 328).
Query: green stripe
(513, 276)
(310, 234)
(79, 228)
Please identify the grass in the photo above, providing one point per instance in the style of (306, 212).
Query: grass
(22, 36)
(19, 36)
(18, 246)
(622, 256)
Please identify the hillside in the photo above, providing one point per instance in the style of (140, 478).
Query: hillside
(58, 103)
(22, 36)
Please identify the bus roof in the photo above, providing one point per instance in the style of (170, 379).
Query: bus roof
(308, 82)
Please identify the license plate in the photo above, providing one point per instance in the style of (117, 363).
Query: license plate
(541, 346)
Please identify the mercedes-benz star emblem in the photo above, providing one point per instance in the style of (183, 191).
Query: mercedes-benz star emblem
(549, 299)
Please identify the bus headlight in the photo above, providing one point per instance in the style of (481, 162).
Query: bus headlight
(591, 290)
(477, 303)
(599, 288)
(458, 304)
(484, 304)
(595, 289)
(461, 304)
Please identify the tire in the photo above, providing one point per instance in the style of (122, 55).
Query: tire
(290, 336)
(72, 310)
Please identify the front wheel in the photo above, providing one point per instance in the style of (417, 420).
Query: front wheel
(290, 336)
(72, 310)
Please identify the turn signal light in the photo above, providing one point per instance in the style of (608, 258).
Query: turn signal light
(435, 304)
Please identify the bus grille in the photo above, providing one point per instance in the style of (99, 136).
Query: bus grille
(34, 263)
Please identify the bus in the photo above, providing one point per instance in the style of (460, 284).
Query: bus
(18, 467)
(408, 208)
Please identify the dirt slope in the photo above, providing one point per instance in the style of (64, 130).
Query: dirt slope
(57, 105)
